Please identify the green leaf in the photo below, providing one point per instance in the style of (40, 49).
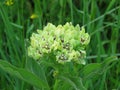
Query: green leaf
(75, 82)
(23, 75)
(36, 68)
(93, 69)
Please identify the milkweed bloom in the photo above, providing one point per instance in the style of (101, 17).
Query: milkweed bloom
(66, 43)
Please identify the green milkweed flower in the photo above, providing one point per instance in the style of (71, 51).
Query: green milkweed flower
(84, 37)
(66, 43)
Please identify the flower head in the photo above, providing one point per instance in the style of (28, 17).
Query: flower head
(66, 43)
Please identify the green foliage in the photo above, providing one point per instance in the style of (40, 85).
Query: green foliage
(23, 75)
(20, 18)
(63, 80)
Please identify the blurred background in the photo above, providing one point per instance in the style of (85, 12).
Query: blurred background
(20, 18)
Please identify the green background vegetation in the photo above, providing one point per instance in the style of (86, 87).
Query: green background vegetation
(101, 19)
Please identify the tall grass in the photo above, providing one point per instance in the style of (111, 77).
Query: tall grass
(101, 18)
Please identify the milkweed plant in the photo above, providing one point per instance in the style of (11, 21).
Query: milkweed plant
(59, 45)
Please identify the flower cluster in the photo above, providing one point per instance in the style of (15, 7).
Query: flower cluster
(67, 43)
